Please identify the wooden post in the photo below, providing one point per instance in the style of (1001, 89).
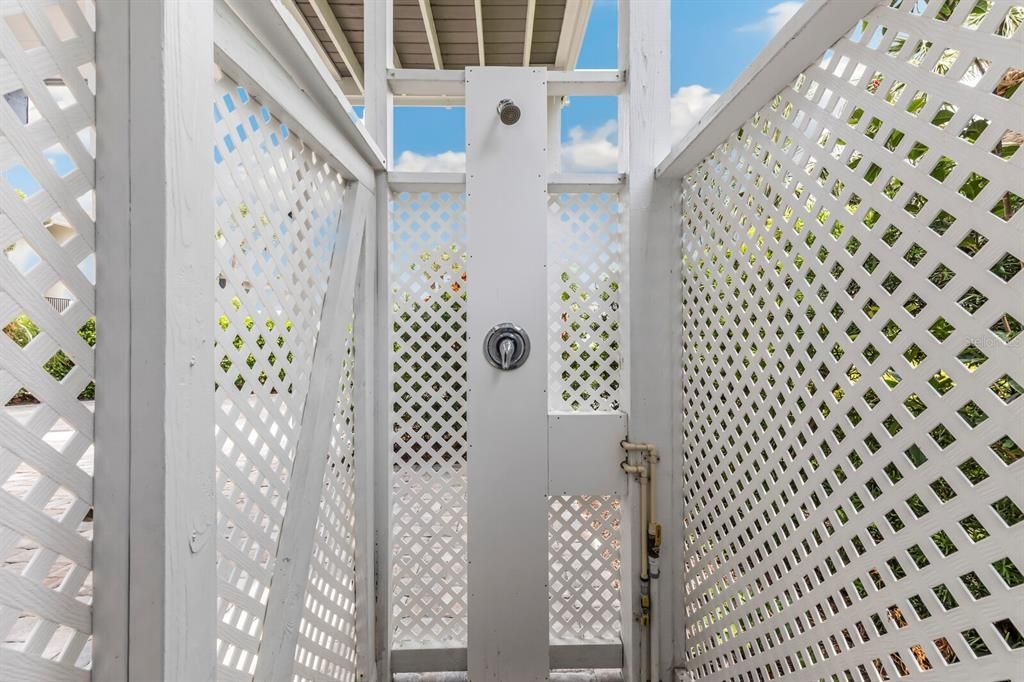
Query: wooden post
(508, 470)
(378, 28)
(652, 290)
(155, 491)
(365, 446)
(113, 408)
(298, 530)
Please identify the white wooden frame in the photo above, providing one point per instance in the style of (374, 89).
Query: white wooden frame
(295, 547)
(439, 87)
(814, 27)
(156, 517)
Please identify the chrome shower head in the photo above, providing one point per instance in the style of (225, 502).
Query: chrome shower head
(508, 112)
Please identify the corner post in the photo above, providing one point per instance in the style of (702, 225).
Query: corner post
(652, 294)
(155, 488)
(378, 27)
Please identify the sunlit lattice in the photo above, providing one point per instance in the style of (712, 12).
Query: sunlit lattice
(47, 303)
(326, 648)
(583, 533)
(427, 272)
(585, 271)
(277, 209)
(852, 363)
(585, 251)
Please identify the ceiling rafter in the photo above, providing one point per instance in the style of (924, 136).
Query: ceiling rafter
(478, 13)
(531, 15)
(570, 39)
(340, 41)
(428, 26)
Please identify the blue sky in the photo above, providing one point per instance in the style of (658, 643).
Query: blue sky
(712, 42)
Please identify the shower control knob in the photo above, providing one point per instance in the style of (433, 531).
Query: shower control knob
(507, 346)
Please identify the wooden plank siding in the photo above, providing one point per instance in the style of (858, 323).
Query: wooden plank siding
(504, 31)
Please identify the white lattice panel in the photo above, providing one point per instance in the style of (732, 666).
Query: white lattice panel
(427, 271)
(586, 243)
(277, 211)
(585, 268)
(852, 420)
(584, 561)
(326, 648)
(47, 301)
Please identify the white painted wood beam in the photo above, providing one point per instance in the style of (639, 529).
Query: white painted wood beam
(155, 293)
(338, 38)
(296, 56)
(379, 55)
(406, 181)
(531, 15)
(478, 15)
(812, 30)
(111, 480)
(586, 82)
(298, 530)
(447, 87)
(651, 318)
(432, 41)
(245, 59)
(570, 38)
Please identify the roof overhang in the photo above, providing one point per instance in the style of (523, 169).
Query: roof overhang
(448, 34)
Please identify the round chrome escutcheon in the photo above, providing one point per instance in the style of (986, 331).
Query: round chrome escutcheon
(507, 346)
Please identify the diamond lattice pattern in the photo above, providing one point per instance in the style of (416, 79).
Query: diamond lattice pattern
(585, 269)
(427, 271)
(584, 565)
(277, 209)
(852, 420)
(47, 303)
(326, 648)
(585, 253)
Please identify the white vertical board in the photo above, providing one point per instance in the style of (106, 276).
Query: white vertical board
(506, 204)
(651, 309)
(173, 530)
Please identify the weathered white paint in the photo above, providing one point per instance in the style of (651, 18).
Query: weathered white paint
(508, 548)
(365, 328)
(651, 291)
(381, 414)
(295, 547)
(172, 540)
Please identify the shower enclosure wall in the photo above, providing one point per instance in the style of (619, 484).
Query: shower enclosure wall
(768, 427)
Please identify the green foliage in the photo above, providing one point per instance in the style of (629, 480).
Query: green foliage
(261, 341)
(22, 330)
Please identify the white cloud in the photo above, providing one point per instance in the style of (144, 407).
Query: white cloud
(585, 150)
(688, 105)
(591, 151)
(450, 162)
(776, 18)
